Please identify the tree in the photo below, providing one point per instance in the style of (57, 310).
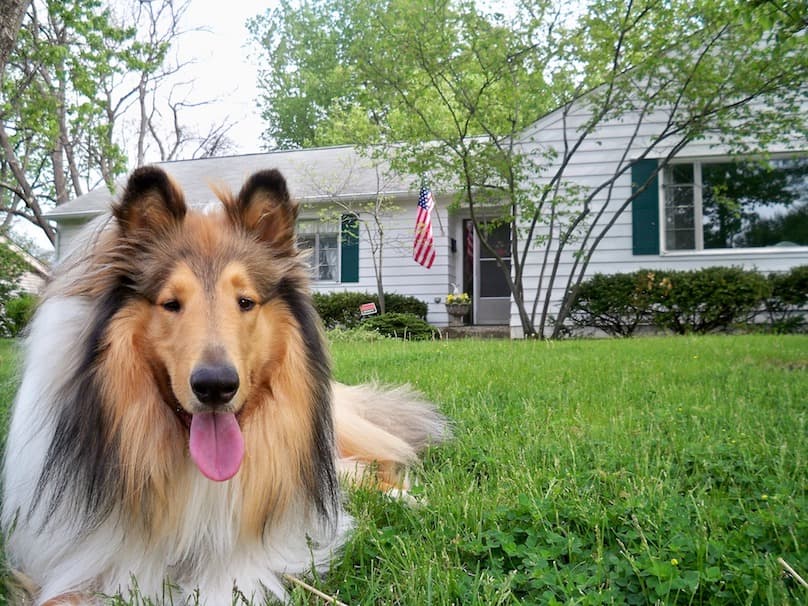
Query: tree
(44, 116)
(161, 131)
(367, 215)
(308, 76)
(77, 77)
(713, 70)
(471, 83)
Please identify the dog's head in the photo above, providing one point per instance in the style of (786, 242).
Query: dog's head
(220, 291)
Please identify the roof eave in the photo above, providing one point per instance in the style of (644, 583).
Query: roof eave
(55, 215)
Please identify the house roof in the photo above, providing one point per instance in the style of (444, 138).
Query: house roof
(311, 174)
(35, 266)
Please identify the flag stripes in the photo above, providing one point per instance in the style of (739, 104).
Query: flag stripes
(423, 249)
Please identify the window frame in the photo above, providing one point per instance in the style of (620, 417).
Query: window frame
(312, 228)
(698, 207)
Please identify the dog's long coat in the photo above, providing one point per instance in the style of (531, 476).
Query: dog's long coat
(174, 431)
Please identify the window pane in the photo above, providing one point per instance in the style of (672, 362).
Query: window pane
(307, 245)
(678, 239)
(493, 282)
(500, 240)
(328, 256)
(679, 217)
(680, 230)
(681, 173)
(755, 204)
(681, 195)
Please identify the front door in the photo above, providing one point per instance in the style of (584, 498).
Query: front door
(492, 297)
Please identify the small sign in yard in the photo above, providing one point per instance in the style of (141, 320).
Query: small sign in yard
(367, 309)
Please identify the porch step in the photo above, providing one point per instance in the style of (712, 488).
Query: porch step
(476, 332)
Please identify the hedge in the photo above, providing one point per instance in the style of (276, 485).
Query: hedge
(17, 313)
(616, 304)
(788, 299)
(341, 309)
(706, 300)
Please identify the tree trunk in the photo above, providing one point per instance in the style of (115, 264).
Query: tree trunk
(27, 191)
(378, 263)
(11, 14)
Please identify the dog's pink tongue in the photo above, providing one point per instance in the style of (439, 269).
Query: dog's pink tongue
(217, 445)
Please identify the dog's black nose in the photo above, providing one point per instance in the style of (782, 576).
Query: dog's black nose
(215, 384)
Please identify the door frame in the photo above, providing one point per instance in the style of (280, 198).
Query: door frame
(494, 310)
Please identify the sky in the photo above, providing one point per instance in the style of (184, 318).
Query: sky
(225, 67)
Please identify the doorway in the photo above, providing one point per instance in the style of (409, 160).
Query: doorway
(482, 277)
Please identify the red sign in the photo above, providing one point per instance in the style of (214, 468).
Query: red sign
(368, 309)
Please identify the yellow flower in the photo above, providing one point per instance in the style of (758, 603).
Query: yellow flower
(674, 562)
(452, 298)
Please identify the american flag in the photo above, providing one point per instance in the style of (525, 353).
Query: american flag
(423, 249)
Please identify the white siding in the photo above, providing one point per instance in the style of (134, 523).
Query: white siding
(31, 282)
(401, 274)
(598, 158)
(70, 236)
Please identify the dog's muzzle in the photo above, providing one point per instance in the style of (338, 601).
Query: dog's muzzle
(214, 384)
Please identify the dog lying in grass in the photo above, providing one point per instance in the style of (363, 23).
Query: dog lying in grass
(177, 425)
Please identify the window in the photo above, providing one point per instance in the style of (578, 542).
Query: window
(321, 241)
(736, 204)
(680, 233)
(332, 247)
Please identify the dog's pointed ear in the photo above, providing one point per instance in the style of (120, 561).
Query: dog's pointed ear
(151, 202)
(264, 208)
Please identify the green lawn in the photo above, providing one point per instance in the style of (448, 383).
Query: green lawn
(8, 381)
(659, 470)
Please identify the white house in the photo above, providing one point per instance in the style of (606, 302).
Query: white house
(670, 225)
(321, 180)
(33, 279)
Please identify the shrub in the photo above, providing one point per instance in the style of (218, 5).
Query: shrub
(617, 303)
(788, 299)
(342, 308)
(19, 310)
(12, 266)
(402, 304)
(700, 301)
(708, 299)
(339, 308)
(402, 326)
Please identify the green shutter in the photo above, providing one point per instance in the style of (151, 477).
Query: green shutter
(645, 209)
(349, 243)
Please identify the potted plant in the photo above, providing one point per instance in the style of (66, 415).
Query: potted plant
(457, 306)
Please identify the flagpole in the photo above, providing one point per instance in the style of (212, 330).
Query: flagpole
(440, 221)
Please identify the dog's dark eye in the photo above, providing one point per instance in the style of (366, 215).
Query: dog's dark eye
(172, 305)
(245, 304)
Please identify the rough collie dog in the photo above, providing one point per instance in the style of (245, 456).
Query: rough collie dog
(176, 432)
